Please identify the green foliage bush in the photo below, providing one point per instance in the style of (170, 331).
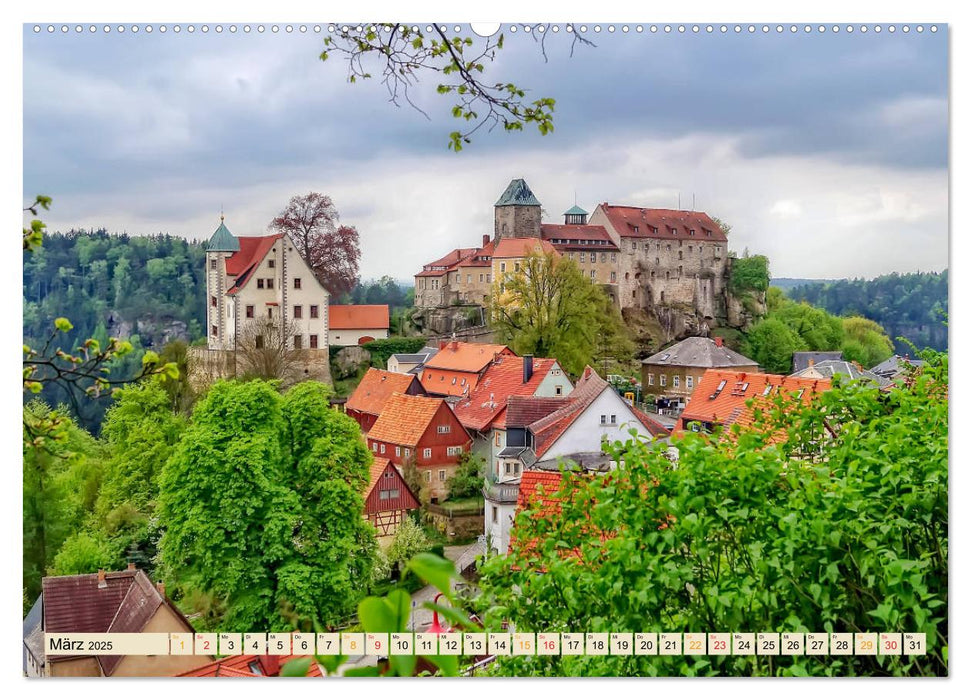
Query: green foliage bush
(749, 274)
(842, 527)
(384, 348)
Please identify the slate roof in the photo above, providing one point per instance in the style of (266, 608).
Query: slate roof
(800, 360)
(358, 316)
(502, 380)
(895, 365)
(671, 224)
(830, 368)
(699, 352)
(518, 194)
(34, 632)
(376, 388)
(222, 241)
(248, 666)
(404, 419)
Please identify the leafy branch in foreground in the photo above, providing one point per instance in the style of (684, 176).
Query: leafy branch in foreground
(86, 370)
(402, 53)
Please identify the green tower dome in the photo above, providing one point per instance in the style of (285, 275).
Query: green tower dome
(222, 240)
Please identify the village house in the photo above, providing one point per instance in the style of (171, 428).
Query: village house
(541, 433)
(250, 666)
(376, 387)
(482, 412)
(724, 398)
(850, 371)
(420, 432)
(410, 362)
(105, 602)
(642, 256)
(256, 285)
(895, 367)
(802, 359)
(357, 324)
(456, 368)
(387, 499)
(672, 374)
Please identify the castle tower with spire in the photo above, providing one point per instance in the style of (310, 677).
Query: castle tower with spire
(518, 213)
(220, 313)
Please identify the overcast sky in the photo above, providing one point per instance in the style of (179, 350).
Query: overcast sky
(828, 153)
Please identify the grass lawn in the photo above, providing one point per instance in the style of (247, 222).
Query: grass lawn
(470, 503)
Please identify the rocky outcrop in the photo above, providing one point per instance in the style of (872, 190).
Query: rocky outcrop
(447, 320)
(153, 332)
(349, 361)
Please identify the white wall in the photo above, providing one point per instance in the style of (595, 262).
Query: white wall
(497, 533)
(554, 377)
(586, 433)
(353, 337)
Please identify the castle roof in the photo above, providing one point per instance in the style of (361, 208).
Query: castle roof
(518, 194)
(521, 247)
(249, 254)
(222, 241)
(640, 222)
(574, 210)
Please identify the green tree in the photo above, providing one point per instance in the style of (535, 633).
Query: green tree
(408, 541)
(818, 329)
(549, 309)
(749, 274)
(771, 343)
(750, 536)
(84, 553)
(866, 341)
(466, 481)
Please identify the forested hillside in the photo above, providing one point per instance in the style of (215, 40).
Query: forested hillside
(910, 305)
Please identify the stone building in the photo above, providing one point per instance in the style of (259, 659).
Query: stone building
(256, 286)
(672, 374)
(655, 259)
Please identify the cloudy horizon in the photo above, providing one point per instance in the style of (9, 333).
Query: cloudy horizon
(827, 153)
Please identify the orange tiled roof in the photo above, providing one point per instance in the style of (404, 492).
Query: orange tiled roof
(376, 388)
(358, 316)
(252, 250)
(670, 224)
(726, 404)
(503, 379)
(377, 469)
(522, 247)
(404, 419)
(248, 666)
(447, 263)
(466, 357)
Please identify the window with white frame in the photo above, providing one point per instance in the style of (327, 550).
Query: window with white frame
(428, 475)
(676, 381)
(397, 450)
(650, 378)
(664, 380)
(441, 475)
(453, 451)
(444, 429)
(427, 453)
(689, 382)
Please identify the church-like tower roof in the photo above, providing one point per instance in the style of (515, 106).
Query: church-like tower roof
(575, 210)
(222, 240)
(518, 194)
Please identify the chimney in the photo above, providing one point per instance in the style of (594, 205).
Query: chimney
(527, 368)
(101, 579)
(857, 365)
(442, 344)
(161, 587)
(131, 566)
(811, 362)
(485, 239)
(454, 345)
(719, 341)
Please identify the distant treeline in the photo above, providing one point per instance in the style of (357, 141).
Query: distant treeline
(910, 305)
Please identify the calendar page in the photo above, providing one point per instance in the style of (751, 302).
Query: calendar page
(560, 349)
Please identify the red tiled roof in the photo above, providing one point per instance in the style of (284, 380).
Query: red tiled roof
(502, 380)
(358, 316)
(727, 406)
(651, 424)
(248, 666)
(639, 222)
(449, 262)
(376, 388)
(404, 419)
(466, 357)
(574, 234)
(522, 411)
(252, 250)
(537, 493)
(521, 247)
(548, 429)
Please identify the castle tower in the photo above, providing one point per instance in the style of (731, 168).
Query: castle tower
(518, 212)
(575, 216)
(219, 314)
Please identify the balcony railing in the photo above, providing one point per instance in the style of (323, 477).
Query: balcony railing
(501, 493)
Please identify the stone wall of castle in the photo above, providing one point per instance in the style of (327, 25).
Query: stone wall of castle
(518, 221)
